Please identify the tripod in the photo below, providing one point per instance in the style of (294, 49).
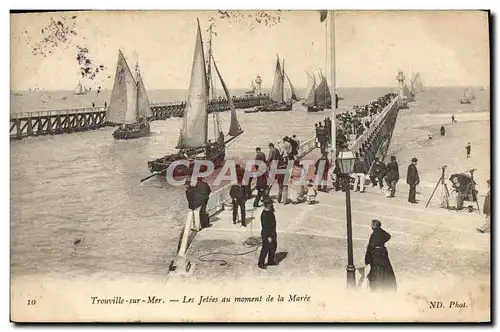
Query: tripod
(445, 203)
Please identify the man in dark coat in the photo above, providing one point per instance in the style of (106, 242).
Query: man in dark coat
(261, 156)
(378, 172)
(273, 154)
(392, 176)
(467, 149)
(322, 174)
(203, 189)
(268, 234)
(381, 275)
(261, 187)
(321, 137)
(239, 198)
(443, 131)
(412, 180)
(192, 196)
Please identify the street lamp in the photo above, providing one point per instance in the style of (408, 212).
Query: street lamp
(346, 160)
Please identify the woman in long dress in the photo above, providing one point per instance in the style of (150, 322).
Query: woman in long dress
(381, 276)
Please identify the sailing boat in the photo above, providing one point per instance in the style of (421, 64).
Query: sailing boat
(193, 139)
(322, 94)
(252, 90)
(129, 104)
(80, 89)
(416, 85)
(310, 102)
(281, 102)
(467, 96)
(407, 94)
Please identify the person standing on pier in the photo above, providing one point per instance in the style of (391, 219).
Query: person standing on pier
(392, 176)
(238, 198)
(322, 169)
(487, 213)
(295, 146)
(359, 173)
(467, 149)
(260, 156)
(381, 275)
(204, 191)
(378, 173)
(268, 234)
(273, 154)
(320, 132)
(261, 187)
(287, 148)
(412, 179)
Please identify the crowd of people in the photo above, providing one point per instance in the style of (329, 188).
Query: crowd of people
(353, 123)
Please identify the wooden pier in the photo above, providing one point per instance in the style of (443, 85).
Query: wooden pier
(55, 122)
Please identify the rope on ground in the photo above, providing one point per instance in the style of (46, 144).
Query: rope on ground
(250, 242)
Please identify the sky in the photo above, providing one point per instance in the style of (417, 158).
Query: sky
(447, 48)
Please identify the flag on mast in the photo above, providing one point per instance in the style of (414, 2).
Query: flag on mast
(323, 15)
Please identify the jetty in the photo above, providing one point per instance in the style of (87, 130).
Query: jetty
(312, 238)
(63, 121)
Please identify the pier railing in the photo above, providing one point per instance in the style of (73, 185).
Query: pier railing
(53, 122)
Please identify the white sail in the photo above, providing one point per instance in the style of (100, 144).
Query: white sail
(311, 97)
(123, 104)
(407, 94)
(277, 89)
(290, 91)
(311, 81)
(234, 128)
(80, 89)
(143, 106)
(195, 122)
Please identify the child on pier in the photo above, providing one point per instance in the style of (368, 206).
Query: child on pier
(311, 193)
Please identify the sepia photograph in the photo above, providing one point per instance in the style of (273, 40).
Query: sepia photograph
(250, 166)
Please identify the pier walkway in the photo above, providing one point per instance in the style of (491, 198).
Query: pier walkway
(55, 122)
(426, 242)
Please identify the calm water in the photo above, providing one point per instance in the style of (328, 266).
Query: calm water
(86, 185)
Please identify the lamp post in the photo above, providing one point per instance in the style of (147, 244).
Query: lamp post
(345, 160)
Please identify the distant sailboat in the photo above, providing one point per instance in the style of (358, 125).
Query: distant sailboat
(416, 85)
(311, 100)
(193, 139)
(252, 90)
(407, 94)
(467, 96)
(80, 89)
(129, 104)
(311, 85)
(282, 97)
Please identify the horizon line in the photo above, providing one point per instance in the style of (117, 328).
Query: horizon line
(246, 88)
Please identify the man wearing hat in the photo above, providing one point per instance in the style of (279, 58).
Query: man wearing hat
(392, 176)
(268, 234)
(412, 179)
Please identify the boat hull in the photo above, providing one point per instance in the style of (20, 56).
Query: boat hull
(315, 108)
(279, 107)
(160, 165)
(253, 110)
(121, 134)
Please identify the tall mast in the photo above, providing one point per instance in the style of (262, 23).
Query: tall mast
(333, 88)
(137, 91)
(210, 81)
(283, 82)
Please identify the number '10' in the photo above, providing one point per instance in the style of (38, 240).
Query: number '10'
(31, 302)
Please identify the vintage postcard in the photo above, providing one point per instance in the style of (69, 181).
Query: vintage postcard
(250, 166)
